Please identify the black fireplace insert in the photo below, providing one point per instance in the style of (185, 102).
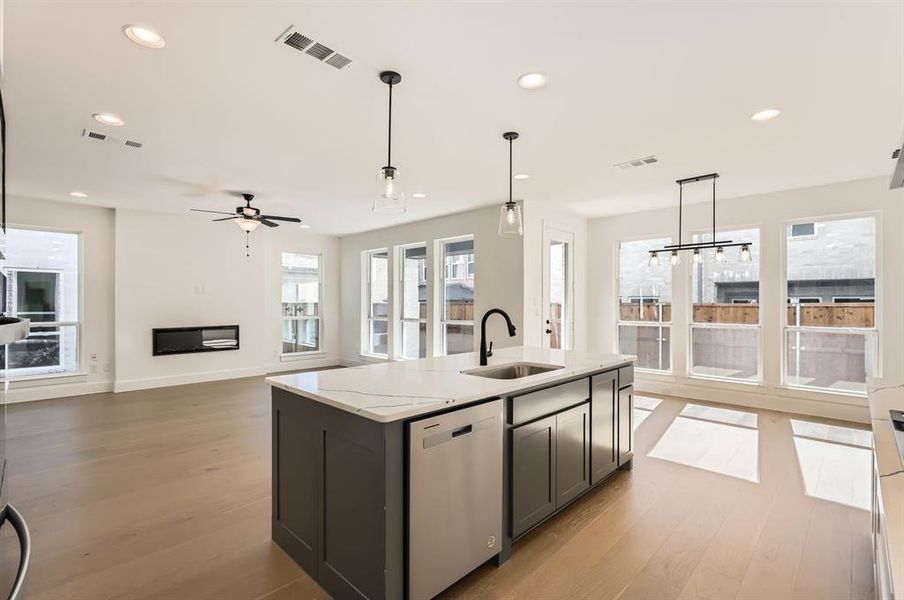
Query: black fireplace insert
(186, 340)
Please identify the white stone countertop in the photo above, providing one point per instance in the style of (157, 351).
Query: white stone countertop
(392, 391)
(885, 395)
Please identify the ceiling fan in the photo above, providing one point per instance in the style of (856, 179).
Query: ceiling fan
(247, 217)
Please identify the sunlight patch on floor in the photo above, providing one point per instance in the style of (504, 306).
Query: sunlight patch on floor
(643, 408)
(708, 444)
(835, 462)
(721, 415)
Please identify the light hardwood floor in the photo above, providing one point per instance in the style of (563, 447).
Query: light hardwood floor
(166, 494)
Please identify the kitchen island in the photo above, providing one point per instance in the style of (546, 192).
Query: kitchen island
(394, 480)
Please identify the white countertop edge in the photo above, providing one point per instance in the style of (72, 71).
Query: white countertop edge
(338, 388)
(885, 396)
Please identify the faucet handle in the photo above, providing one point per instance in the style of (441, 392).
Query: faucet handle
(490, 351)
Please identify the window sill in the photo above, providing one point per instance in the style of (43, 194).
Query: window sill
(802, 391)
(293, 356)
(374, 358)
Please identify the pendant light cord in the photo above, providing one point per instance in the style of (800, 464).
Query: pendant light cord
(510, 170)
(389, 137)
(714, 209)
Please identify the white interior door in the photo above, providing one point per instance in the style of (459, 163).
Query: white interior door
(558, 288)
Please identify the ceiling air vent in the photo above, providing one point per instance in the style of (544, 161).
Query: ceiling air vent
(298, 41)
(337, 60)
(637, 162)
(318, 50)
(103, 137)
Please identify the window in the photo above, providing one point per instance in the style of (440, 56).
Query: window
(725, 324)
(413, 305)
(457, 296)
(301, 288)
(376, 303)
(42, 284)
(645, 305)
(831, 345)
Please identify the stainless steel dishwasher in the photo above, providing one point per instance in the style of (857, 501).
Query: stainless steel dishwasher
(455, 496)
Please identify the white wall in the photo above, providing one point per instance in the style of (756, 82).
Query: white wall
(768, 212)
(498, 272)
(96, 226)
(175, 270)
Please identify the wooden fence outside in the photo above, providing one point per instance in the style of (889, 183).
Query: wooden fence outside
(853, 314)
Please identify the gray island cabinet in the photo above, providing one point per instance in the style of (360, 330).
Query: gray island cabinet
(341, 458)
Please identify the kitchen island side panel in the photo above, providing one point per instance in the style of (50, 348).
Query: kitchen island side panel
(338, 496)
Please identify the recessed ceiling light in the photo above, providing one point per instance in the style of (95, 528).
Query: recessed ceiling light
(78, 194)
(521, 176)
(108, 119)
(144, 36)
(305, 226)
(533, 81)
(419, 195)
(765, 115)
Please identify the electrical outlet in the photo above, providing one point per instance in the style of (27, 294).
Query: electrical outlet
(93, 356)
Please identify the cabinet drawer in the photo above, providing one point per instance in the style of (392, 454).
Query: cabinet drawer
(537, 404)
(625, 376)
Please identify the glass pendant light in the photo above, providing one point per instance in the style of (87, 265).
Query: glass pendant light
(720, 255)
(745, 253)
(654, 259)
(510, 222)
(389, 197)
(674, 259)
(698, 257)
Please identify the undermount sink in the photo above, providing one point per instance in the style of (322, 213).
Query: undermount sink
(511, 370)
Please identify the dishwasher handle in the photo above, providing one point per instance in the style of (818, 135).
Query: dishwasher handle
(441, 437)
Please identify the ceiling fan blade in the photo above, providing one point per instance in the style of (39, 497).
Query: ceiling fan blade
(216, 212)
(232, 218)
(275, 218)
(268, 223)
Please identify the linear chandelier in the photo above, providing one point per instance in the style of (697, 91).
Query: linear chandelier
(719, 245)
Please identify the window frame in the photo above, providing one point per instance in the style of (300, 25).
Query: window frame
(758, 327)
(878, 302)
(441, 345)
(318, 317)
(619, 323)
(401, 319)
(77, 371)
(368, 320)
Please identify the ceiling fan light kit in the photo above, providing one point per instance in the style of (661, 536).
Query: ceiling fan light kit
(248, 218)
(720, 245)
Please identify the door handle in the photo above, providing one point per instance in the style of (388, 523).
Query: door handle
(15, 519)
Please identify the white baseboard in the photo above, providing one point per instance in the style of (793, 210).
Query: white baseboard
(130, 385)
(276, 367)
(55, 390)
(844, 408)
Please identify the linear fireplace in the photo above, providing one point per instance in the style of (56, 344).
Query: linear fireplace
(185, 340)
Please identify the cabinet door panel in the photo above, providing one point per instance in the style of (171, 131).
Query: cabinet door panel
(533, 473)
(625, 424)
(572, 453)
(603, 453)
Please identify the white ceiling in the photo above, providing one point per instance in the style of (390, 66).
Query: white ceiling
(223, 106)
